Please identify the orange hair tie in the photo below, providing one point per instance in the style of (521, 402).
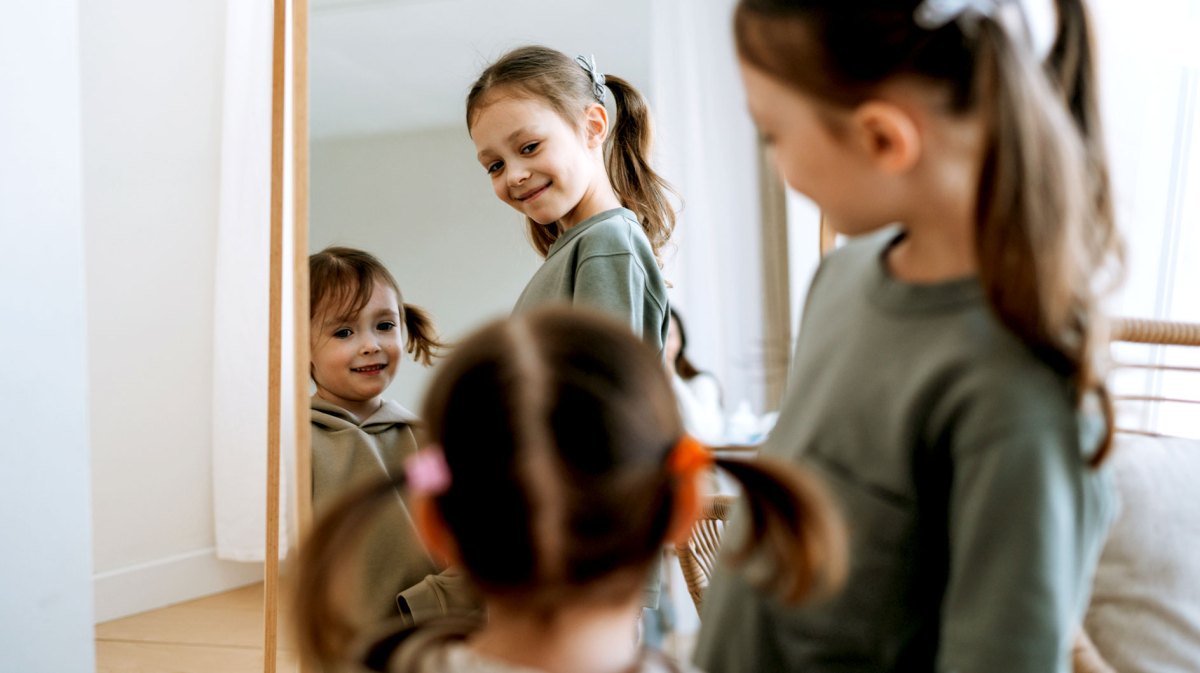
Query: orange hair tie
(688, 456)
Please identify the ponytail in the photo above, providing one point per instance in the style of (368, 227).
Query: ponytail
(636, 184)
(794, 529)
(422, 342)
(325, 631)
(1044, 225)
(557, 79)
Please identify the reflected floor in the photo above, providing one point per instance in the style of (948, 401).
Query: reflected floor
(215, 634)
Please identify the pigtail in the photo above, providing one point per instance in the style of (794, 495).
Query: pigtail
(422, 342)
(794, 528)
(325, 631)
(637, 185)
(1044, 220)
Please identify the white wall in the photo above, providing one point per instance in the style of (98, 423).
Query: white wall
(45, 614)
(151, 102)
(422, 204)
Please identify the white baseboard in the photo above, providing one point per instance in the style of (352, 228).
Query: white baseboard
(162, 582)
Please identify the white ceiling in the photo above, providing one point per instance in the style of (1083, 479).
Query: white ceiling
(379, 66)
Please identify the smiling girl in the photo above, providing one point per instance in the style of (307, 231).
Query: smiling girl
(596, 211)
(358, 320)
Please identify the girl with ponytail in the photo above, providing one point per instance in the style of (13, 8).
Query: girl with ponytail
(948, 376)
(595, 209)
(556, 472)
(358, 321)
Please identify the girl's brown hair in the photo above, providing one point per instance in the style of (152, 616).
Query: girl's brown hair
(341, 279)
(564, 85)
(557, 426)
(683, 366)
(1044, 225)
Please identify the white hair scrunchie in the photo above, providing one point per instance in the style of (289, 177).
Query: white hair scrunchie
(933, 14)
(1034, 21)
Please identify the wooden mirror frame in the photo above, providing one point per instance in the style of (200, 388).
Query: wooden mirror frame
(297, 29)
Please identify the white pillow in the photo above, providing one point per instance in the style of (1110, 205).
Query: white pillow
(1145, 611)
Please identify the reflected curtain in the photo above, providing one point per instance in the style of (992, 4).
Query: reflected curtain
(706, 146)
(242, 294)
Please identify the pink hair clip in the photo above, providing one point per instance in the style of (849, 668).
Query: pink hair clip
(427, 472)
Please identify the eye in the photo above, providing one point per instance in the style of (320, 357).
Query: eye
(529, 148)
(494, 167)
(386, 326)
(343, 333)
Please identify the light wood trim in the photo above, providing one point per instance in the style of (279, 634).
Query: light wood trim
(300, 173)
(275, 338)
(300, 263)
(828, 235)
(777, 299)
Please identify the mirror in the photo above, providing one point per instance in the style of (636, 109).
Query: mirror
(394, 172)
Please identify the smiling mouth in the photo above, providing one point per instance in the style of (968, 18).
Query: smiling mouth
(369, 369)
(535, 193)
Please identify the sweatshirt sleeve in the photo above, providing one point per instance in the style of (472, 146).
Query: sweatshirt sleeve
(1026, 520)
(616, 283)
(437, 596)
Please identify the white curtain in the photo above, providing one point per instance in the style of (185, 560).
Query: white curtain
(1150, 77)
(706, 146)
(241, 295)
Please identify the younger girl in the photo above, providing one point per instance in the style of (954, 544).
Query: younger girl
(558, 470)
(945, 367)
(358, 319)
(595, 209)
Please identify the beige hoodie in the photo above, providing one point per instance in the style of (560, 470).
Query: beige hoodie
(395, 567)
(440, 647)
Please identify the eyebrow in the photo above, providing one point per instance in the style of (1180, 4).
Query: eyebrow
(346, 319)
(511, 137)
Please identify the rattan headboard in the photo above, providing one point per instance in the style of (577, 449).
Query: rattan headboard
(1170, 378)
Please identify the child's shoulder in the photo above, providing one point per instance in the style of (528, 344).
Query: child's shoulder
(619, 232)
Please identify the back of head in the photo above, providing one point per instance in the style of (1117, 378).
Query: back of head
(1041, 252)
(565, 455)
(556, 426)
(569, 88)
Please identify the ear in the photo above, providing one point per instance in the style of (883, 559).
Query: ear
(689, 499)
(595, 125)
(888, 136)
(434, 533)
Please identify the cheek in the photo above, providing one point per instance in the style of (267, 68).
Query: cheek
(499, 189)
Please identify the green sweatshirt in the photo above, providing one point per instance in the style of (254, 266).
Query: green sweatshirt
(396, 570)
(605, 262)
(960, 463)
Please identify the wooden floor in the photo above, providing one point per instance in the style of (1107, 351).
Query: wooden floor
(216, 634)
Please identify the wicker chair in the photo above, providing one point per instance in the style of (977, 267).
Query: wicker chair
(699, 555)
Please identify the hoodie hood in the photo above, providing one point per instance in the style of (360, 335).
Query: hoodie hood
(332, 418)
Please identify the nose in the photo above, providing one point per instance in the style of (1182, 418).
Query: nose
(517, 174)
(369, 345)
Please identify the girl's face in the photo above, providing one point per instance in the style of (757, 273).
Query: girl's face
(809, 157)
(539, 164)
(354, 359)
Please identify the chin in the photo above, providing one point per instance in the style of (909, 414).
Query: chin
(543, 219)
